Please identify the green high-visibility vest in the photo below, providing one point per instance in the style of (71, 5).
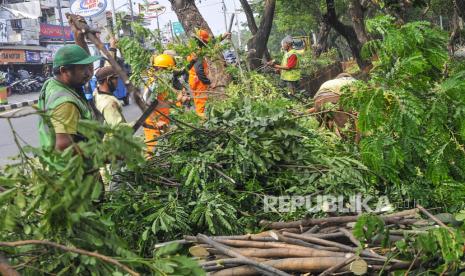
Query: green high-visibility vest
(53, 94)
(294, 73)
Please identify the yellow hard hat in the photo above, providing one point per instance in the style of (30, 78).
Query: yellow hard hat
(164, 61)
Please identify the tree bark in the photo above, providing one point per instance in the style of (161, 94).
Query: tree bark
(249, 15)
(460, 7)
(347, 32)
(322, 38)
(321, 43)
(252, 24)
(189, 16)
(356, 12)
(257, 44)
(455, 31)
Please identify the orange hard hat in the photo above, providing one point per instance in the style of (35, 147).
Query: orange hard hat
(203, 35)
(164, 61)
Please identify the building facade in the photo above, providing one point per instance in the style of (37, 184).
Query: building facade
(31, 33)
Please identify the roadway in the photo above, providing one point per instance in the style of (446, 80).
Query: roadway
(26, 127)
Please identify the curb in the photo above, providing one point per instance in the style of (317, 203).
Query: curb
(17, 105)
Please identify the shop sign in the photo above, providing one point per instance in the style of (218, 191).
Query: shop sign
(12, 56)
(151, 9)
(33, 56)
(54, 48)
(54, 32)
(46, 57)
(178, 29)
(88, 8)
(3, 31)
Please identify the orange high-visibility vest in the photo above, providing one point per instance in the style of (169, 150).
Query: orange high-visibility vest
(198, 88)
(151, 129)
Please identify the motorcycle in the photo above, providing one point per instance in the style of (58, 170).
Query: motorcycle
(33, 85)
(26, 86)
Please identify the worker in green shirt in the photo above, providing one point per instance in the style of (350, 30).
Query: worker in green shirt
(62, 99)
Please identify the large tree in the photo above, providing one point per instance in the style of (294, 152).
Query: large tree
(460, 6)
(189, 15)
(459, 12)
(191, 19)
(257, 45)
(358, 20)
(347, 31)
(252, 24)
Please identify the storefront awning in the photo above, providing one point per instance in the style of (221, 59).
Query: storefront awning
(24, 47)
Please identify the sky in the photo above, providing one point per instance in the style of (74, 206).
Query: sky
(210, 9)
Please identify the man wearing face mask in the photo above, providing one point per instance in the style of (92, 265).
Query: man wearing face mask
(106, 103)
(63, 100)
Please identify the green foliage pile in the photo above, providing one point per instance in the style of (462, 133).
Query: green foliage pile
(58, 197)
(411, 116)
(437, 250)
(248, 148)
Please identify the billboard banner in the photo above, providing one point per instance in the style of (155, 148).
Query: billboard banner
(151, 9)
(177, 28)
(33, 56)
(88, 8)
(12, 56)
(54, 32)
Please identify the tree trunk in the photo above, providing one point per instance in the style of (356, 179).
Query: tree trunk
(356, 12)
(322, 38)
(455, 32)
(253, 25)
(191, 19)
(249, 15)
(321, 43)
(257, 44)
(347, 32)
(189, 16)
(460, 7)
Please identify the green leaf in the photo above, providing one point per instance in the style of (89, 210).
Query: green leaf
(169, 249)
(7, 195)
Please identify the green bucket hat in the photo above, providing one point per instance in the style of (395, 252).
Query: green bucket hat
(72, 54)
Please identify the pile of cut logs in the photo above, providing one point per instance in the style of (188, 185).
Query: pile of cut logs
(322, 246)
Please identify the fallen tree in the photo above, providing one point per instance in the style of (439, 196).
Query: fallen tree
(222, 175)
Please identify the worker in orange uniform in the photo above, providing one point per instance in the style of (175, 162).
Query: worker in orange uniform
(158, 121)
(198, 72)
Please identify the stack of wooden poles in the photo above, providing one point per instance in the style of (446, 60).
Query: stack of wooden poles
(322, 246)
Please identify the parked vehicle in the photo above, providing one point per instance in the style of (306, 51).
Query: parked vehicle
(32, 84)
(230, 57)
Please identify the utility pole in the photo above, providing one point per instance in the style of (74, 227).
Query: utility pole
(113, 18)
(171, 30)
(238, 31)
(61, 22)
(237, 25)
(132, 16)
(225, 17)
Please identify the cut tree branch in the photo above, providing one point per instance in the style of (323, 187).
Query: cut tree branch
(73, 250)
(260, 267)
(80, 24)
